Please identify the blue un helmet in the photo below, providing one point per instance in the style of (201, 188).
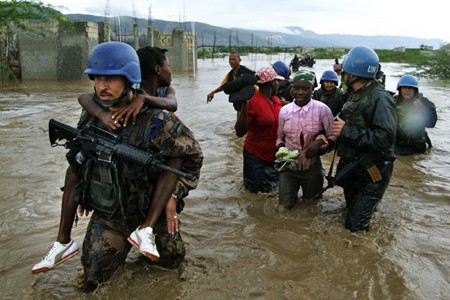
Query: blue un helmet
(361, 61)
(329, 76)
(408, 80)
(114, 58)
(282, 69)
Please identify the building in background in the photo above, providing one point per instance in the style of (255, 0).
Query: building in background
(61, 52)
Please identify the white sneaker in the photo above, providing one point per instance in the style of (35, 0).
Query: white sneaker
(58, 253)
(144, 240)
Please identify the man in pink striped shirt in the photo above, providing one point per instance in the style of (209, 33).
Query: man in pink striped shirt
(299, 125)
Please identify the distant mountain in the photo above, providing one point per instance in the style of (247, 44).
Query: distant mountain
(293, 36)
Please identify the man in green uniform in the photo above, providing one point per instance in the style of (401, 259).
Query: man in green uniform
(365, 131)
(121, 193)
(415, 112)
(156, 79)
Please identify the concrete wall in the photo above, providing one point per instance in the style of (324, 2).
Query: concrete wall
(56, 52)
(178, 52)
(61, 53)
(74, 47)
(153, 37)
(104, 32)
(39, 54)
(181, 46)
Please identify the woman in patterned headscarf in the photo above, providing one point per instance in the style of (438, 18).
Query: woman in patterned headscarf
(258, 119)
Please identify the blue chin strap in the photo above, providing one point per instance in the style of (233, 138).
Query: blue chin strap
(107, 103)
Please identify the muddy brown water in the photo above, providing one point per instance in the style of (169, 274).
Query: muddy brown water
(239, 246)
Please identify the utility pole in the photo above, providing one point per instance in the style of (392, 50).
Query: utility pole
(214, 45)
(150, 26)
(135, 27)
(118, 30)
(107, 35)
(107, 8)
(184, 16)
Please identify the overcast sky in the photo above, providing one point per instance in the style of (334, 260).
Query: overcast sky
(421, 19)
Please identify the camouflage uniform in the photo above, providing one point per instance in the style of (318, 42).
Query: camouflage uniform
(285, 92)
(412, 120)
(127, 199)
(243, 70)
(369, 130)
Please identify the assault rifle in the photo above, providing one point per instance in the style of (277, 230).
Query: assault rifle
(330, 179)
(366, 161)
(105, 144)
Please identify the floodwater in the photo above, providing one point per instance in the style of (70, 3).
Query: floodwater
(239, 245)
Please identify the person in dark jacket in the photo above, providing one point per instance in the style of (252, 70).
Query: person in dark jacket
(380, 76)
(295, 64)
(365, 131)
(414, 114)
(337, 67)
(236, 70)
(329, 92)
(284, 86)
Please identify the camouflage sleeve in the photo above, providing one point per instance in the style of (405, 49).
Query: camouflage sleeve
(175, 140)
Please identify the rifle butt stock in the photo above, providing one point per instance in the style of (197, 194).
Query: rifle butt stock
(60, 131)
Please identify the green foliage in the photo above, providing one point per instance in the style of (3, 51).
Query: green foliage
(428, 63)
(408, 56)
(435, 66)
(9, 73)
(14, 13)
(327, 53)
